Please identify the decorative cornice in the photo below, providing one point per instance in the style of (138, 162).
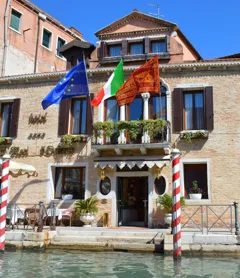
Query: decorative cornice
(224, 65)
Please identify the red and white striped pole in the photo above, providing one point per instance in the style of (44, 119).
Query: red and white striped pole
(3, 199)
(177, 249)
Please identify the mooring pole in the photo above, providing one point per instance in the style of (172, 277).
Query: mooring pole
(3, 199)
(177, 249)
(236, 218)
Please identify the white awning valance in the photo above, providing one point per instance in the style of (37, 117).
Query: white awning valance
(130, 164)
(17, 169)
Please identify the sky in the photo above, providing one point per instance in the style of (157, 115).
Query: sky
(212, 26)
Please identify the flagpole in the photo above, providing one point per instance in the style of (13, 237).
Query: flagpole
(89, 95)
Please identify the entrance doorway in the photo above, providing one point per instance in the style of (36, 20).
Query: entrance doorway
(132, 201)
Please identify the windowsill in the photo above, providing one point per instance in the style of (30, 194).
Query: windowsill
(62, 58)
(195, 131)
(198, 202)
(188, 135)
(49, 49)
(15, 30)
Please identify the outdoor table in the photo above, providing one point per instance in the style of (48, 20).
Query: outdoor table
(14, 214)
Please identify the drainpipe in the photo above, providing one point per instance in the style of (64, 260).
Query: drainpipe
(43, 17)
(5, 42)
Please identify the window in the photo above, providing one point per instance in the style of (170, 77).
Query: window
(15, 20)
(60, 43)
(47, 38)
(112, 114)
(73, 177)
(195, 172)
(134, 110)
(6, 116)
(105, 186)
(136, 48)
(158, 46)
(79, 116)
(160, 185)
(114, 50)
(193, 110)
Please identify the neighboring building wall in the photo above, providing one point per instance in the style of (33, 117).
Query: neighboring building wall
(22, 44)
(188, 55)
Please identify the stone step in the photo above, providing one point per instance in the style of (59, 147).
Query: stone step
(104, 246)
(108, 239)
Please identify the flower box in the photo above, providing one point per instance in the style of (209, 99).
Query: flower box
(195, 196)
(188, 136)
(67, 196)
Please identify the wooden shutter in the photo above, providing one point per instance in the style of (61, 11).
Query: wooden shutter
(124, 47)
(89, 129)
(64, 108)
(177, 101)
(208, 93)
(15, 118)
(167, 39)
(102, 51)
(146, 45)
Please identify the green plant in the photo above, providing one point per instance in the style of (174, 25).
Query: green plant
(134, 129)
(97, 128)
(154, 127)
(5, 140)
(166, 202)
(195, 189)
(67, 140)
(188, 136)
(87, 206)
(122, 125)
(108, 128)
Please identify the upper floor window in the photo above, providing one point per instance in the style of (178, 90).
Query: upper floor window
(136, 48)
(158, 106)
(15, 20)
(79, 116)
(47, 38)
(158, 46)
(134, 110)
(111, 110)
(193, 110)
(9, 118)
(60, 43)
(114, 50)
(75, 116)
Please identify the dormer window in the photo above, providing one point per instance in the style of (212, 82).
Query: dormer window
(158, 46)
(136, 48)
(114, 50)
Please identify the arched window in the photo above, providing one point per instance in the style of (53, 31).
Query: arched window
(158, 104)
(160, 185)
(105, 186)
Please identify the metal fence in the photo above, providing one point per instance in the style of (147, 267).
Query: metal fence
(31, 216)
(210, 218)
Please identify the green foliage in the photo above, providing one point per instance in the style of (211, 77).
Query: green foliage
(68, 140)
(122, 125)
(108, 128)
(4, 140)
(87, 206)
(188, 136)
(154, 127)
(97, 128)
(166, 202)
(134, 129)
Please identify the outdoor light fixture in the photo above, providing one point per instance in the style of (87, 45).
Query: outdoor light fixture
(158, 174)
(102, 175)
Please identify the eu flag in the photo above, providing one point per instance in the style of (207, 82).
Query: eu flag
(74, 83)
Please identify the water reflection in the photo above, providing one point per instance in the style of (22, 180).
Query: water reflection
(60, 263)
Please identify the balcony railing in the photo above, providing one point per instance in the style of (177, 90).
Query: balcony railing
(132, 132)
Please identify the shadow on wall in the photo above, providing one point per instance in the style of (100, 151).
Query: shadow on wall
(18, 194)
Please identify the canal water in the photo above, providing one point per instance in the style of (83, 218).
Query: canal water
(61, 263)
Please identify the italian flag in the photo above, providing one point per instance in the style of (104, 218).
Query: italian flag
(111, 87)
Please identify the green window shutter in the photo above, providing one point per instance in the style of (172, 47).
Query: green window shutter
(60, 43)
(46, 38)
(15, 20)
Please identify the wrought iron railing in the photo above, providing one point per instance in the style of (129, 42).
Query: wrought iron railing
(210, 218)
(31, 216)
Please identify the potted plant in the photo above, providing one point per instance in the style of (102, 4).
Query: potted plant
(67, 192)
(195, 193)
(87, 209)
(166, 202)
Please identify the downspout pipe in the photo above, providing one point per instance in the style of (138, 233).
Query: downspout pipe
(43, 17)
(5, 40)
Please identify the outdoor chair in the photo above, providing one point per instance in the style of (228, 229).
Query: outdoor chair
(31, 216)
(67, 215)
